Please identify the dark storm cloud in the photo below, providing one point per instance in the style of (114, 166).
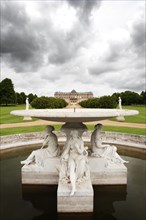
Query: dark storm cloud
(84, 7)
(20, 44)
(24, 42)
(64, 47)
(138, 34)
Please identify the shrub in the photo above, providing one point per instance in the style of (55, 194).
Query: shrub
(102, 102)
(90, 103)
(48, 102)
(107, 102)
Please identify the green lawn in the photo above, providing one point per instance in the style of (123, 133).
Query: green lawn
(140, 118)
(19, 130)
(6, 118)
(9, 131)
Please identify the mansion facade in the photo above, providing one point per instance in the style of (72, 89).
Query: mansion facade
(74, 97)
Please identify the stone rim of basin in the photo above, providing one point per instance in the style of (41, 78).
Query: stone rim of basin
(74, 114)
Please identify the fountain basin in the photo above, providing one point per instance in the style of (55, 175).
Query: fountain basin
(74, 115)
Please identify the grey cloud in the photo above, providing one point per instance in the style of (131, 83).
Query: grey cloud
(116, 50)
(25, 43)
(101, 68)
(138, 36)
(20, 43)
(84, 7)
(64, 47)
(12, 13)
(127, 80)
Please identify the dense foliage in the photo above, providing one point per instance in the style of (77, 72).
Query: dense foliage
(48, 102)
(131, 98)
(128, 98)
(102, 102)
(7, 92)
(10, 97)
(107, 102)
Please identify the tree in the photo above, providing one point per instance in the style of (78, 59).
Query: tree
(7, 92)
(19, 99)
(143, 97)
(130, 98)
(23, 95)
(31, 97)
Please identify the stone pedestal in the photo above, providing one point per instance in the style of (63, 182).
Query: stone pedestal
(100, 174)
(120, 118)
(48, 174)
(107, 174)
(81, 201)
(27, 118)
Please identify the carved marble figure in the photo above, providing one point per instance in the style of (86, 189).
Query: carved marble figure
(98, 149)
(120, 103)
(27, 103)
(38, 156)
(74, 161)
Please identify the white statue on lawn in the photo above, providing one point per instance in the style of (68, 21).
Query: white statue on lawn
(106, 151)
(74, 161)
(120, 103)
(38, 156)
(27, 104)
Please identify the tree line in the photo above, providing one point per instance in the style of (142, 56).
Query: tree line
(10, 97)
(128, 98)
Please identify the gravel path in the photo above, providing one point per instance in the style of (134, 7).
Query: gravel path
(43, 122)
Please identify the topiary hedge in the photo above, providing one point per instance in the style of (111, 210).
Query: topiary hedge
(102, 102)
(48, 102)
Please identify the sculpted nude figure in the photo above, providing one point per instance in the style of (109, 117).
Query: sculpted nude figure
(75, 157)
(103, 150)
(52, 150)
(27, 103)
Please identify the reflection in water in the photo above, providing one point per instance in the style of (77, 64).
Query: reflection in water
(104, 197)
(44, 198)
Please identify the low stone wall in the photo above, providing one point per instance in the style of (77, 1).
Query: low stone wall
(132, 140)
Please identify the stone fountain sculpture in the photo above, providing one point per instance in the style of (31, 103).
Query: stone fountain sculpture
(75, 167)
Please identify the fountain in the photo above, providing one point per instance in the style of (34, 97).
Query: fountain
(75, 168)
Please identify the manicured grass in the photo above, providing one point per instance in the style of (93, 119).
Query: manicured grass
(9, 131)
(140, 118)
(139, 131)
(19, 130)
(6, 117)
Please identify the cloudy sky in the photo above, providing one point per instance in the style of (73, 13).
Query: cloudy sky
(86, 45)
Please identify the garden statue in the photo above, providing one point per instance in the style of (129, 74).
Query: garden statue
(120, 103)
(109, 152)
(120, 117)
(27, 104)
(38, 156)
(27, 118)
(74, 161)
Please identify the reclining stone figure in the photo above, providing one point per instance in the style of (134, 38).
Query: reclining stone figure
(38, 156)
(106, 151)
